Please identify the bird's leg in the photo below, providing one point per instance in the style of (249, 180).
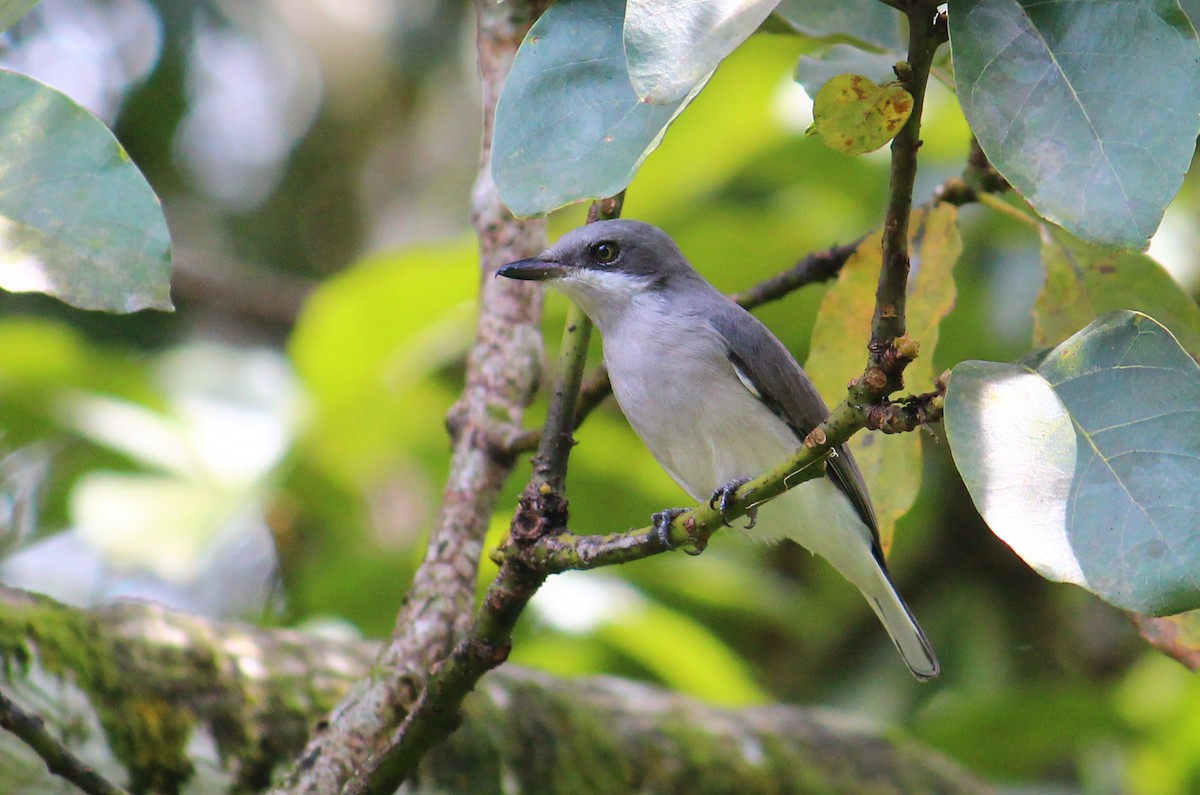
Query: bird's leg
(662, 527)
(721, 497)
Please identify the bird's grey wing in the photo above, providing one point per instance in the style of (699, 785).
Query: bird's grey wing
(771, 373)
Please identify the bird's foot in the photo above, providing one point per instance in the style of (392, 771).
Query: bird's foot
(721, 498)
(662, 528)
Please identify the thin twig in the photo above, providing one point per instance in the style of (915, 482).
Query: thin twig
(58, 758)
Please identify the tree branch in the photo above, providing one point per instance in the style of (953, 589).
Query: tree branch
(502, 372)
(58, 758)
(542, 509)
(885, 360)
(247, 695)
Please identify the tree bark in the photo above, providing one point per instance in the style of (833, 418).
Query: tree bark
(163, 702)
(502, 375)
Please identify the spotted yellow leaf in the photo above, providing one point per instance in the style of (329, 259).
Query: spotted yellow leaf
(852, 114)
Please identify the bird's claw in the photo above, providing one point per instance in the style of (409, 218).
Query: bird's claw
(721, 498)
(662, 529)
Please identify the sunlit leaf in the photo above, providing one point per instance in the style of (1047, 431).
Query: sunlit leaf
(673, 47)
(569, 125)
(1087, 465)
(867, 21)
(12, 10)
(891, 464)
(1090, 110)
(852, 114)
(77, 219)
(1176, 636)
(1084, 281)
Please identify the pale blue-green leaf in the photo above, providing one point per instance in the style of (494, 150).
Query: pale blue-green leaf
(1087, 465)
(812, 72)
(569, 125)
(1090, 110)
(867, 21)
(77, 219)
(12, 10)
(671, 47)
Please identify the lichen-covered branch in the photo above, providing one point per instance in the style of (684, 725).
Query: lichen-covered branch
(542, 509)
(176, 702)
(502, 375)
(155, 701)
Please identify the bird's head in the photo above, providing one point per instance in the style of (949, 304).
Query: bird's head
(607, 265)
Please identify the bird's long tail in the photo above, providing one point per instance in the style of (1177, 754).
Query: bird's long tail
(898, 620)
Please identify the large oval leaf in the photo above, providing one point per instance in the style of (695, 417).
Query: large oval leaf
(569, 125)
(1090, 110)
(672, 47)
(867, 21)
(1087, 465)
(77, 219)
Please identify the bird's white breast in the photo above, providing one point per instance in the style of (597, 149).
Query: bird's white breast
(682, 396)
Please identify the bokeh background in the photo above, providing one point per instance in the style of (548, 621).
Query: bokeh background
(273, 451)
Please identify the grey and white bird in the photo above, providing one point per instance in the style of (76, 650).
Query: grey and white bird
(717, 398)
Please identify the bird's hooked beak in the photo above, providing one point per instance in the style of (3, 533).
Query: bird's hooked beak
(533, 269)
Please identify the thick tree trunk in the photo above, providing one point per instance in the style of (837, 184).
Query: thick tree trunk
(164, 702)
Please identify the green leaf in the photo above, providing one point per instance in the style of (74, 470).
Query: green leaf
(1087, 466)
(891, 464)
(12, 10)
(867, 21)
(77, 219)
(673, 47)
(370, 369)
(1084, 281)
(569, 125)
(854, 115)
(1090, 110)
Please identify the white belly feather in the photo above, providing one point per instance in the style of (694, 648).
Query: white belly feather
(703, 449)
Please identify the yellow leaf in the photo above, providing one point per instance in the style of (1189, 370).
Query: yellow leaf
(852, 114)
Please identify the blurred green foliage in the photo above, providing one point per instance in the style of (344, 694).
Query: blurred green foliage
(1042, 685)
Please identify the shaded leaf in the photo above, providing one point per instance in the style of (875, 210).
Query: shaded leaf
(852, 114)
(569, 125)
(1086, 466)
(867, 21)
(12, 10)
(1084, 281)
(891, 464)
(1088, 109)
(812, 72)
(77, 219)
(1176, 636)
(673, 47)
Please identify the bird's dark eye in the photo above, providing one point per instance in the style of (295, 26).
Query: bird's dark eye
(605, 252)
